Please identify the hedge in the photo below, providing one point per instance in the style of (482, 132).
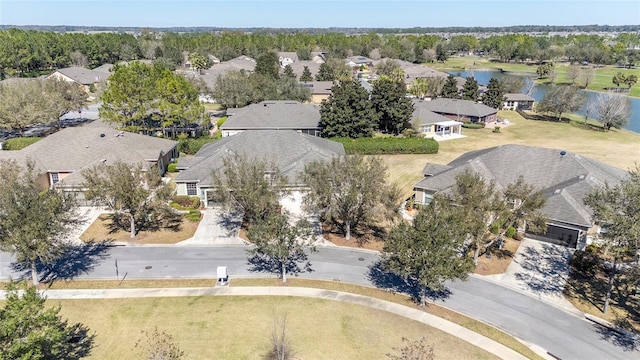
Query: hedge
(193, 215)
(172, 168)
(388, 146)
(19, 143)
(186, 201)
(470, 125)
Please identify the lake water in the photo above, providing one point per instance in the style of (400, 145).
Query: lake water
(483, 77)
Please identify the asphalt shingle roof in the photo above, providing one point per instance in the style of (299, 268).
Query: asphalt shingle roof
(565, 179)
(82, 75)
(74, 148)
(459, 107)
(518, 97)
(290, 151)
(423, 115)
(273, 115)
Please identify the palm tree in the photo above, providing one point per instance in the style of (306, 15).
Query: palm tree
(618, 79)
(631, 80)
(419, 88)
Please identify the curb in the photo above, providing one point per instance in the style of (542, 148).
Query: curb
(604, 323)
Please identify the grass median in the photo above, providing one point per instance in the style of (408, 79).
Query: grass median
(80, 308)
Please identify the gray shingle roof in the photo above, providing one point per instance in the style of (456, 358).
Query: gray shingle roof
(298, 67)
(82, 75)
(273, 115)
(72, 149)
(459, 107)
(565, 179)
(319, 87)
(422, 115)
(290, 151)
(518, 97)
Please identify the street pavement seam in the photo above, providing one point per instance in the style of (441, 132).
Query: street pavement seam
(449, 327)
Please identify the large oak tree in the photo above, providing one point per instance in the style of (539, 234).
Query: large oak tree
(34, 222)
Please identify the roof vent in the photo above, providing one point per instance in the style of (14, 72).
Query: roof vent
(563, 153)
(102, 135)
(581, 177)
(557, 191)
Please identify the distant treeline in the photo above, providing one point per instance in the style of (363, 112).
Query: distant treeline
(346, 30)
(29, 53)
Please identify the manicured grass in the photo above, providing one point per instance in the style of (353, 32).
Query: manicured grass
(240, 327)
(602, 79)
(99, 231)
(19, 143)
(620, 148)
(469, 323)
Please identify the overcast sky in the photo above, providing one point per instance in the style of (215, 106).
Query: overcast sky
(319, 13)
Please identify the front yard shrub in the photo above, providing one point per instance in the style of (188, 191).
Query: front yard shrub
(172, 168)
(193, 215)
(190, 146)
(187, 201)
(388, 146)
(19, 143)
(470, 125)
(511, 232)
(221, 121)
(585, 263)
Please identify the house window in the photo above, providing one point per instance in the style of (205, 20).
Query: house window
(192, 189)
(427, 198)
(55, 177)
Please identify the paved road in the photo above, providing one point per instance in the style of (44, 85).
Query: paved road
(561, 334)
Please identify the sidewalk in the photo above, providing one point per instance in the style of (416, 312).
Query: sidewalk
(462, 333)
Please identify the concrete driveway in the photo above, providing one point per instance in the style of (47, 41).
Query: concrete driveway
(217, 227)
(539, 269)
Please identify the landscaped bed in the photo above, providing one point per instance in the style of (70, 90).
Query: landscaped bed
(99, 230)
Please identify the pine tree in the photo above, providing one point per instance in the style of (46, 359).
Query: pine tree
(470, 91)
(306, 75)
(394, 107)
(288, 72)
(494, 96)
(348, 112)
(450, 88)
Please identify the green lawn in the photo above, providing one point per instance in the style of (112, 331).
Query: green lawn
(620, 148)
(240, 328)
(602, 80)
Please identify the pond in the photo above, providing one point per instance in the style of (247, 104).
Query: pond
(483, 77)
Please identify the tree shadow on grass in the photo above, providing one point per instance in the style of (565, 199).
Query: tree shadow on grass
(383, 279)
(74, 261)
(266, 264)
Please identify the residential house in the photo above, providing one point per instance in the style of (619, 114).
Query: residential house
(318, 57)
(320, 90)
(273, 115)
(298, 68)
(61, 156)
(462, 110)
(565, 179)
(289, 150)
(357, 61)
(83, 76)
(287, 58)
(414, 71)
(433, 125)
(210, 76)
(518, 102)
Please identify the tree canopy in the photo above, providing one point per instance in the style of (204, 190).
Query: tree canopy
(394, 108)
(612, 110)
(470, 90)
(251, 185)
(350, 192)
(617, 209)
(494, 96)
(450, 88)
(34, 222)
(137, 196)
(348, 112)
(280, 243)
(431, 250)
(138, 94)
(31, 330)
(561, 99)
